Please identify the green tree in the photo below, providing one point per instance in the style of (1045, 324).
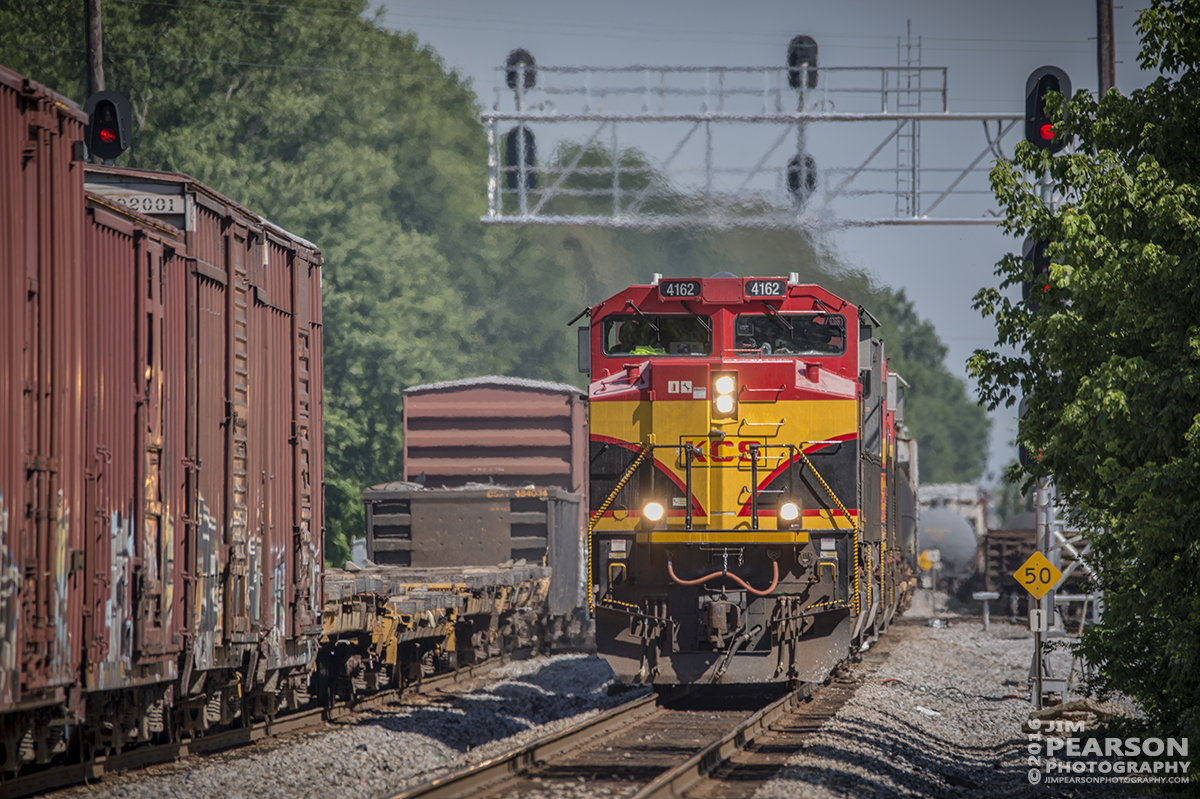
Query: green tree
(361, 140)
(1111, 359)
(358, 139)
(951, 429)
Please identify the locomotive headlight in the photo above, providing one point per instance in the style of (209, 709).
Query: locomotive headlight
(653, 511)
(789, 511)
(724, 394)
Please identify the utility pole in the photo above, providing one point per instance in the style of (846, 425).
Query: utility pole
(1105, 46)
(94, 30)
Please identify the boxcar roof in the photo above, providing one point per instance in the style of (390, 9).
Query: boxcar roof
(21, 83)
(500, 382)
(131, 175)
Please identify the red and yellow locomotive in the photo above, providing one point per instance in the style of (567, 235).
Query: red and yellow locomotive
(752, 484)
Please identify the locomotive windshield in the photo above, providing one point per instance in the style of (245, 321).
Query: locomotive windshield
(657, 335)
(756, 335)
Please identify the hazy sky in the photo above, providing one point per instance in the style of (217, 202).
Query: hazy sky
(989, 48)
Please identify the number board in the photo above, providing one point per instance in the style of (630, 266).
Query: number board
(152, 203)
(766, 288)
(1037, 575)
(679, 289)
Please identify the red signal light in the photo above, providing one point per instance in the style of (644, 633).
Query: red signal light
(1047, 132)
(108, 135)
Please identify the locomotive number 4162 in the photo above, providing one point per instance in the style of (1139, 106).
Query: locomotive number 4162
(679, 289)
(766, 288)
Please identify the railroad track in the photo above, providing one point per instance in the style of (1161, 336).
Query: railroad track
(55, 777)
(695, 744)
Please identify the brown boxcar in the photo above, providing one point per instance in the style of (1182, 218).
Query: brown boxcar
(243, 459)
(160, 448)
(512, 432)
(42, 458)
(133, 619)
(504, 429)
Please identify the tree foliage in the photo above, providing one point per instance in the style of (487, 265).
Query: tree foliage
(360, 139)
(1111, 359)
(357, 138)
(951, 429)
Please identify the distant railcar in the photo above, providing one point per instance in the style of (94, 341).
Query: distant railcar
(752, 485)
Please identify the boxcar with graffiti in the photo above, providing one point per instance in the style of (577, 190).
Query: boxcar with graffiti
(160, 448)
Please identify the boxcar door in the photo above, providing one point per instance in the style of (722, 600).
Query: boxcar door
(208, 420)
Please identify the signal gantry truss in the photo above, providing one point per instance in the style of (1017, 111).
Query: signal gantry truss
(724, 147)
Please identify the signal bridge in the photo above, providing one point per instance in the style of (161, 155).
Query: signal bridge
(738, 146)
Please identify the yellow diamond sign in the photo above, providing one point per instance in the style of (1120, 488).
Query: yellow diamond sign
(1037, 575)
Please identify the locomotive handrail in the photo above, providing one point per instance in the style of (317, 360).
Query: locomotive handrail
(732, 576)
(647, 447)
(853, 525)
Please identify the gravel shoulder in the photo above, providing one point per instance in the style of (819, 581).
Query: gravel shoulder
(940, 717)
(379, 753)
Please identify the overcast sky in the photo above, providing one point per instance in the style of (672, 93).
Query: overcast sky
(988, 48)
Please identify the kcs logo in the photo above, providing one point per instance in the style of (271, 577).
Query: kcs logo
(724, 451)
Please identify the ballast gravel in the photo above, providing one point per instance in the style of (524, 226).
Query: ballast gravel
(940, 717)
(380, 753)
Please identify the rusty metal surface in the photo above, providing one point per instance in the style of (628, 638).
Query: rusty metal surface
(160, 448)
(1003, 552)
(512, 432)
(479, 526)
(506, 430)
(249, 310)
(132, 623)
(41, 415)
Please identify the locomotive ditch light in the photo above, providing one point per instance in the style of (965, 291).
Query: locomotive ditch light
(724, 395)
(653, 515)
(789, 511)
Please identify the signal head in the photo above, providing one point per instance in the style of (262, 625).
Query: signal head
(802, 50)
(1039, 128)
(1035, 252)
(110, 123)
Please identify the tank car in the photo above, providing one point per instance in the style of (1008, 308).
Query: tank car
(954, 540)
(751, 482)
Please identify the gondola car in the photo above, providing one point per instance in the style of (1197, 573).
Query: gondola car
(752, 484)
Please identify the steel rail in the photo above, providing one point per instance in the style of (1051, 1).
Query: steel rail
(467, 781)
(56, 777)
(681, 778)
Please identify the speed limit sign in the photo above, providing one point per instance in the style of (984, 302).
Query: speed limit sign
(1037, 575)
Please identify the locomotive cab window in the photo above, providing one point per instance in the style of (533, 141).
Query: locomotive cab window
(657, 335)
(756, 335)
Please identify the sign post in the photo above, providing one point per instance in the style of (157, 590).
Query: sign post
(1037, 576)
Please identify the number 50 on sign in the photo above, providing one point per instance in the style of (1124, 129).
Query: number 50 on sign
(1037, 575)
